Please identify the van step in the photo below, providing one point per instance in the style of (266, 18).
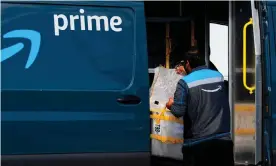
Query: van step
(162, 161)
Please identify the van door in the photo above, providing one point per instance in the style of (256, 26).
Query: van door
(242, 82)
(269, 24)
(74, 83)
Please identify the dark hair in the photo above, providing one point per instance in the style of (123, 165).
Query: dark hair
(195, 58)
(181, 63)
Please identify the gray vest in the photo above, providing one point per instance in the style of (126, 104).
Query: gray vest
(208, 114)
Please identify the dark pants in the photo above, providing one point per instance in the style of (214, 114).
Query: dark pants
(209, 153)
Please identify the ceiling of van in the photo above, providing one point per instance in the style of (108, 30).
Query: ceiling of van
(217, 11)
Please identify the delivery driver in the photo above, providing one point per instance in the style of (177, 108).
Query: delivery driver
(201, 100)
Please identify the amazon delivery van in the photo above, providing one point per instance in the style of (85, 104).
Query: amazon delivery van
(75, 76)
(74, 82)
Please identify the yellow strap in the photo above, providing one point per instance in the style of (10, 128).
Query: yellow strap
(159, 110)
(162, 112)
(165, 139)
(167, 118)
(162, 116)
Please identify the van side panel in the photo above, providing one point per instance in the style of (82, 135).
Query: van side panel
(271, 58)
(64, 68)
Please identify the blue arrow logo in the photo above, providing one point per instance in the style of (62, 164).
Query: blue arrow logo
(33, 36)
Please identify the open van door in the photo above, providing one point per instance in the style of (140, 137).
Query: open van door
(258, 84)
(267, 17)
(251, 51)
(242, 90)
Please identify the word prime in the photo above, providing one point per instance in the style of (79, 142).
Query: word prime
(94, 22)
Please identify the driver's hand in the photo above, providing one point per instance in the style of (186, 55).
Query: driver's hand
(170, 103)
(180, 70)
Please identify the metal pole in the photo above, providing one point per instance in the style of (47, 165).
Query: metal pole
(258, 80)
(207, 36)
(232, 65)
(168, 45)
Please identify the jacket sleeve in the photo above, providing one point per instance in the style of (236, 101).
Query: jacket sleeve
(179, 106)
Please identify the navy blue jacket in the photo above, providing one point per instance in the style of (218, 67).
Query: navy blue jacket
(201, 98)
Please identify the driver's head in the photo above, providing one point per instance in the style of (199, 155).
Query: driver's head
(193, 59)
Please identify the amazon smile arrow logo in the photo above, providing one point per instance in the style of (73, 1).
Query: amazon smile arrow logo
(11, 51)
(213, 90)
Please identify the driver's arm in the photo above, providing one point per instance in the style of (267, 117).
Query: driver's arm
(179, 105)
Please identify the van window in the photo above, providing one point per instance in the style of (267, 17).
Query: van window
(94, 52)
(219, 47)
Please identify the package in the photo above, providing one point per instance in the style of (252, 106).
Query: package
(167, 130)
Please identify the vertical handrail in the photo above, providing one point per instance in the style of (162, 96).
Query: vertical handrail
(168, 45)
(250, 89)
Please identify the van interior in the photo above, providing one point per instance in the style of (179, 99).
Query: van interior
(174, 27)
